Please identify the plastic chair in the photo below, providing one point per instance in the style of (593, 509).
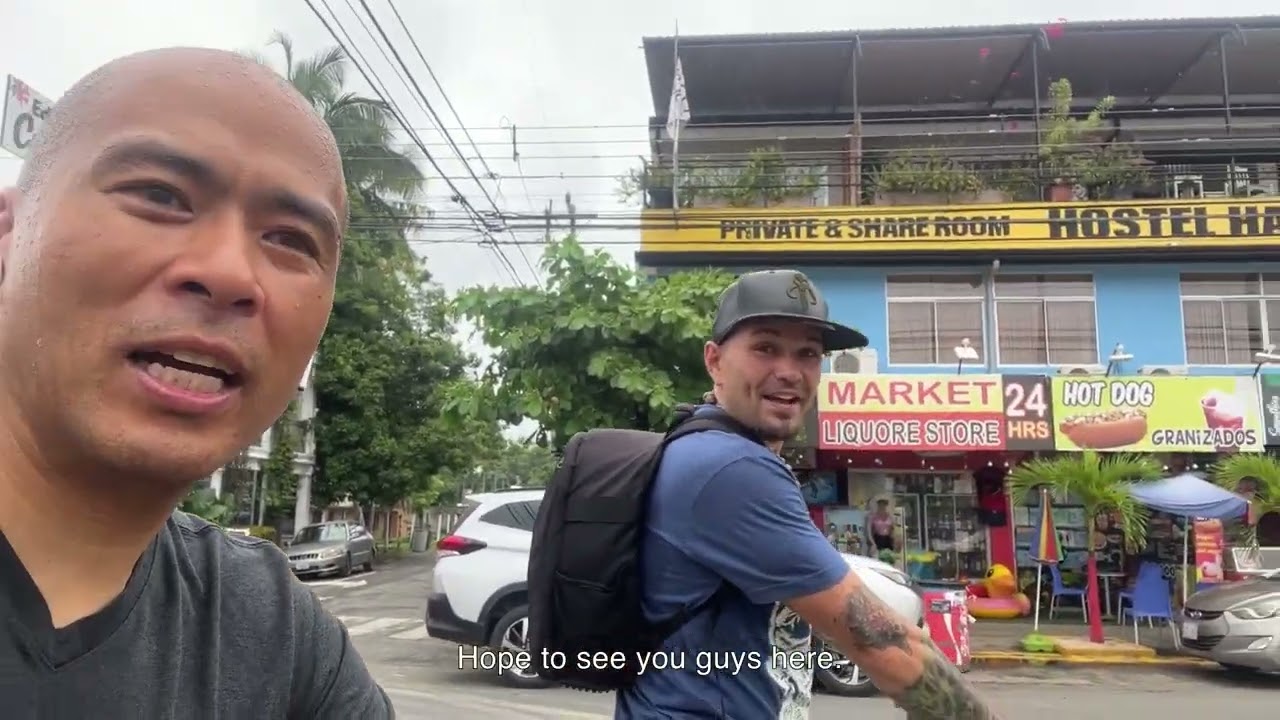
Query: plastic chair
(1126, 596)
(1151, 599)
(1060, 590)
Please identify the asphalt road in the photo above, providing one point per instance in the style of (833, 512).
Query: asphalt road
(383, 612)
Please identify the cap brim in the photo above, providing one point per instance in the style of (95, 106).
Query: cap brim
(834, 335)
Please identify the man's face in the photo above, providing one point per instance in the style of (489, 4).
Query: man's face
(165, 286)
(766, 375)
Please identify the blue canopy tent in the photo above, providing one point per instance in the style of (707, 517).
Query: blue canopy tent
(1189, 496)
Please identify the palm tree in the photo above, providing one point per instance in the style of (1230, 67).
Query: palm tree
(1264, 471)
(364, 127)
(1101, 484)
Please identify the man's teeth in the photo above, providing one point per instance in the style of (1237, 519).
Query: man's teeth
(197, 359)
(184, 380)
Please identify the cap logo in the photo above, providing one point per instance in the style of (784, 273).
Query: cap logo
(801, 290)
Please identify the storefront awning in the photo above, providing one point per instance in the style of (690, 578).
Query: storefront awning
(1188, 495)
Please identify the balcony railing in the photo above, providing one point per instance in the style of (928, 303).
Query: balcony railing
(1063, 155)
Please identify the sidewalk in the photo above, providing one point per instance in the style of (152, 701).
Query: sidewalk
(997, 642)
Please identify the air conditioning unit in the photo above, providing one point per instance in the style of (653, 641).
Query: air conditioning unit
(1162, 370)
(1081, 370)
(863, 361)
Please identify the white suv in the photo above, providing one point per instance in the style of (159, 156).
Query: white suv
(479, 597)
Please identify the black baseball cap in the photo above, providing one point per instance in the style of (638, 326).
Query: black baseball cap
(781, 295)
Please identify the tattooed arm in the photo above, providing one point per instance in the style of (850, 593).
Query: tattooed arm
(899, 657)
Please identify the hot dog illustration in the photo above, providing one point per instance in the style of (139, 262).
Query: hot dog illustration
(1105, 429)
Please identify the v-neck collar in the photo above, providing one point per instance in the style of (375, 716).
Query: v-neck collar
(28, 614)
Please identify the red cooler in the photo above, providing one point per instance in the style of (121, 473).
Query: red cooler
(946, 618)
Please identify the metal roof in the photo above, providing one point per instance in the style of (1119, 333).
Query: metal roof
(966, 69)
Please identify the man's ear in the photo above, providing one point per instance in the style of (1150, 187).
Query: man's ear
(8, 210)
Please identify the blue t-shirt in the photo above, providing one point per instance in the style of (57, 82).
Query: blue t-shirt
(727, 510)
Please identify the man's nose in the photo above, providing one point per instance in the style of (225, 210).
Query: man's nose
(218, 266)
(789, 368)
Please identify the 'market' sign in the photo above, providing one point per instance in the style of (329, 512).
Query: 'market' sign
(24, 113)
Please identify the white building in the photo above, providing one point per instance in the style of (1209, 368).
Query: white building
(242, 484)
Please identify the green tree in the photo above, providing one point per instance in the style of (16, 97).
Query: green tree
(385, 364)
(203, 502)
(388, 354)
(1232, 472)
(1101, 483)
(364, 127)
(600, 346)
(278, 477)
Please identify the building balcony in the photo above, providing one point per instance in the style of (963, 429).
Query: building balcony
(991, 162)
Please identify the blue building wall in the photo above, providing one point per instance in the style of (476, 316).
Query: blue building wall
(1139, 306)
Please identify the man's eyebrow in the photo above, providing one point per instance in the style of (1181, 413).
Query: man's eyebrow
(316, 213)
(153, 153)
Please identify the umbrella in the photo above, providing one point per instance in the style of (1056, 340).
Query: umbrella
(1045, 548)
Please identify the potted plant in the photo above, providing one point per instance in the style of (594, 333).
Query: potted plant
(1073, 150)
(1101, 484)
(929, 177)
(764, 180)
(653, 184)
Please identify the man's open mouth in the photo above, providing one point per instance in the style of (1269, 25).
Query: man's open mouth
(186, 371)
(783, 399)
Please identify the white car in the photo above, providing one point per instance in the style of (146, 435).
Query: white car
(479, 597)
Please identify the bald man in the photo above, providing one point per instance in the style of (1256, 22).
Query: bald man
(167, 267)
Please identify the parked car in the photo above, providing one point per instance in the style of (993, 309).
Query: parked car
(479, 597)
(1237, 625)
(331, 548)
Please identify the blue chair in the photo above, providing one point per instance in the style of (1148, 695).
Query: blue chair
(1060, 590)
(1151, 599)
(1146, 569)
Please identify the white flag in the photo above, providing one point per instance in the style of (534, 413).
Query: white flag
(678, 112)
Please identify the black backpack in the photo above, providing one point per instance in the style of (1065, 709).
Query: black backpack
(586, 627)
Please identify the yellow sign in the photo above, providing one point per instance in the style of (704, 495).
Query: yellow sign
(898, 394)
(1157, 414)
(1029, 226)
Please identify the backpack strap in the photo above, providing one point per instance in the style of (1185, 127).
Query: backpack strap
(686, 423)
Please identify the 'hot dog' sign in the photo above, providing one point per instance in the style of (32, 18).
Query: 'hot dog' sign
(1157, 414)
(934, 412)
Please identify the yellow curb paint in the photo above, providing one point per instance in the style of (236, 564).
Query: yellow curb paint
(1113, 659)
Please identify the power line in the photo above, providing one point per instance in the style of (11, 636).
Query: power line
(399, 116)
(440, 123)
(448, 103)
(503, 261)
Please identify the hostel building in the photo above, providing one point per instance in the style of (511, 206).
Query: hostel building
(1019, 268)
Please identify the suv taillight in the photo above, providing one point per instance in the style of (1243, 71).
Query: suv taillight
(457, 545)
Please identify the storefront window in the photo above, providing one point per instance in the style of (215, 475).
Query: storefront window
(944, 539)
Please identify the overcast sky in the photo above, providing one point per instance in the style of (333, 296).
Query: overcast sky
(532, 63)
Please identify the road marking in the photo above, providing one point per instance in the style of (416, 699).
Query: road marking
(417, 633)
(471, 702)
(374, 625)
(338, 583)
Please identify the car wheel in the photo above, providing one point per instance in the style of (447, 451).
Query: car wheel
(345, 570)
(843, 677)
(511, 634)
(368, 564)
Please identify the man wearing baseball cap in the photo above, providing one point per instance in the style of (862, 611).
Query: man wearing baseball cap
(729, 533)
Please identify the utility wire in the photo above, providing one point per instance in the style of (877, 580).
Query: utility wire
(400, 118)
(440, 123)
(448, 103)
(405, 82)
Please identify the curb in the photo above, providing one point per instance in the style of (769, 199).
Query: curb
(998, 658)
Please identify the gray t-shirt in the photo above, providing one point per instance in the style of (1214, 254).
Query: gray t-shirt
(210, 625)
